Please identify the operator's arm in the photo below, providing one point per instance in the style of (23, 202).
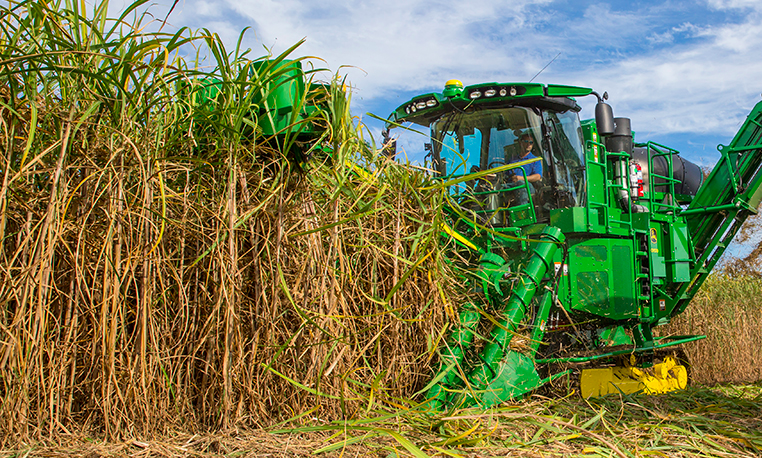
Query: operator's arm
(535, 174)
(533, 178)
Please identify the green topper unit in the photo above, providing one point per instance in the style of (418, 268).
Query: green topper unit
(581, 240)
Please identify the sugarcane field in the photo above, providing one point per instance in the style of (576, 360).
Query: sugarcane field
(207, 250)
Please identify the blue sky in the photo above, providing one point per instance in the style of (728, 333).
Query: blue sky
(685, 72)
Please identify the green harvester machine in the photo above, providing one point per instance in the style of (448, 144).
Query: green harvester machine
(579, 240)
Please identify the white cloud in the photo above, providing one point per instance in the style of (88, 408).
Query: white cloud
(207, 9)
(740, 38)
(661, 38)
(734, 4)
(666, 66)
(600, 26)
(397, 44)
(707, 86)
(691, 29)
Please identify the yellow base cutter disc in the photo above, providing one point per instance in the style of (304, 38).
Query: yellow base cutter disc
(661, 378)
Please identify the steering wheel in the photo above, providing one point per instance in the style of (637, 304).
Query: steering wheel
(495, 163)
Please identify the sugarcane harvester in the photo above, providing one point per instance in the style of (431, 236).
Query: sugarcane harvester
(578, 240)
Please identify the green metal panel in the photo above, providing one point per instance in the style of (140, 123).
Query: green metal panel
(570, 220)
(593, 292)
(556, 90)
(596, 172)
(615, 336)
(515, 374)
(679, 265)
(602, 278)
(588, 274)
(656, 250)
(623, 299)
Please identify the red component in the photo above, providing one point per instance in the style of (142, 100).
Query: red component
(636, 180)
(640, 179)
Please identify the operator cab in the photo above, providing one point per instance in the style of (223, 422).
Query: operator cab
(526, 156)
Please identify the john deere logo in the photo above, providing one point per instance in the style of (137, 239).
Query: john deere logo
(654, 240)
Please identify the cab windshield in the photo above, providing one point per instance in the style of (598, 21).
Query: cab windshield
(468, 142)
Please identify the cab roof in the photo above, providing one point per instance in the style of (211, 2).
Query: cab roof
(425, 108)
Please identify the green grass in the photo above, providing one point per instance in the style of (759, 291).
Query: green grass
(698, 422)
(695, 422)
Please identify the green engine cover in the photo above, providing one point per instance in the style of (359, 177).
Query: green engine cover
(601, 278)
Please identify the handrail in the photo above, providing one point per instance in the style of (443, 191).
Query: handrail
(604, 166)
(499, 190)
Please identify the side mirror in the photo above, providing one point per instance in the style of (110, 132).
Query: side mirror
(429, 150)
(604, 119)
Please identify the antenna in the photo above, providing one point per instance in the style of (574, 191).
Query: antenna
(543, 68)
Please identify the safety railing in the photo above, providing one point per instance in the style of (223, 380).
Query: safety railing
(490, 197)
